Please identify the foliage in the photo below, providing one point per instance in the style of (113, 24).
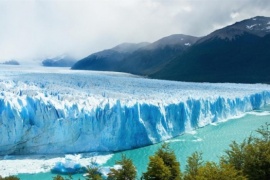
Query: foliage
(196, 169)
(93, 173)
(58, 177)
(10, 178)
(156, 169)
(213, 171)
(252, 156)
(126, 172)
(167, 160)
(194, 162)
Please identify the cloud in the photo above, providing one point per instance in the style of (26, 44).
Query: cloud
(36, 29)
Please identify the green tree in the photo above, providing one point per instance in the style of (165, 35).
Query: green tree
(169, 160)
(93, 173)
(196, 169)
(252, 156)
(194, 162)
(126, 172)
(213, 171)
(58, 177)
(156, 169)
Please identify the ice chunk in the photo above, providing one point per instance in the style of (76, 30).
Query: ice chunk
(70, 165)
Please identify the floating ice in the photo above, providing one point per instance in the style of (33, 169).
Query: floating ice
(61, 111)
(70, 165)
(106, 169)
(12, 165)
(265, 113)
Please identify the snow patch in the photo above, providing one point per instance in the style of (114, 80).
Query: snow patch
(251, 26)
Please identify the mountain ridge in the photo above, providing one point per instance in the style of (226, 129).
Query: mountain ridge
(59, 61)
(236, 53)
(142, 59)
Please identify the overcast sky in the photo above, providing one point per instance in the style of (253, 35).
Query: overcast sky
(36, 29)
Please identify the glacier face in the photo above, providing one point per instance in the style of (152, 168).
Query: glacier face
(61, 111)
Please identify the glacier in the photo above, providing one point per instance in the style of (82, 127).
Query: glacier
(56, 110)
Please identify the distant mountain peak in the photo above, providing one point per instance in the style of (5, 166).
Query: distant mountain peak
(258, 26)
(59, 61)
(173, 40)
(11, 62)
(129, 47)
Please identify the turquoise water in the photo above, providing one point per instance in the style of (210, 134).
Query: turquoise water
(211, 140)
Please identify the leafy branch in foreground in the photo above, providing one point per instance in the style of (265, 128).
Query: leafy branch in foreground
(252, 156)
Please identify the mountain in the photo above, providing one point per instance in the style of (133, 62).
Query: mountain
(109, 59)
(61, 61)
(142, 58)
(11, 62)
(237, 53)
(155, 56)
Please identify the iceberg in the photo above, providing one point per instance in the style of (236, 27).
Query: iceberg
(70, 165)
(51, 111)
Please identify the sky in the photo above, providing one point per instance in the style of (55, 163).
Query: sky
(33, 30)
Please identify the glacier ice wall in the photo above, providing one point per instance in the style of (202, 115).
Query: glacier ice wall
(71, 112)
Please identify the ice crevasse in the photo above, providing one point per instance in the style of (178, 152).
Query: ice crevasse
(111, 113)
